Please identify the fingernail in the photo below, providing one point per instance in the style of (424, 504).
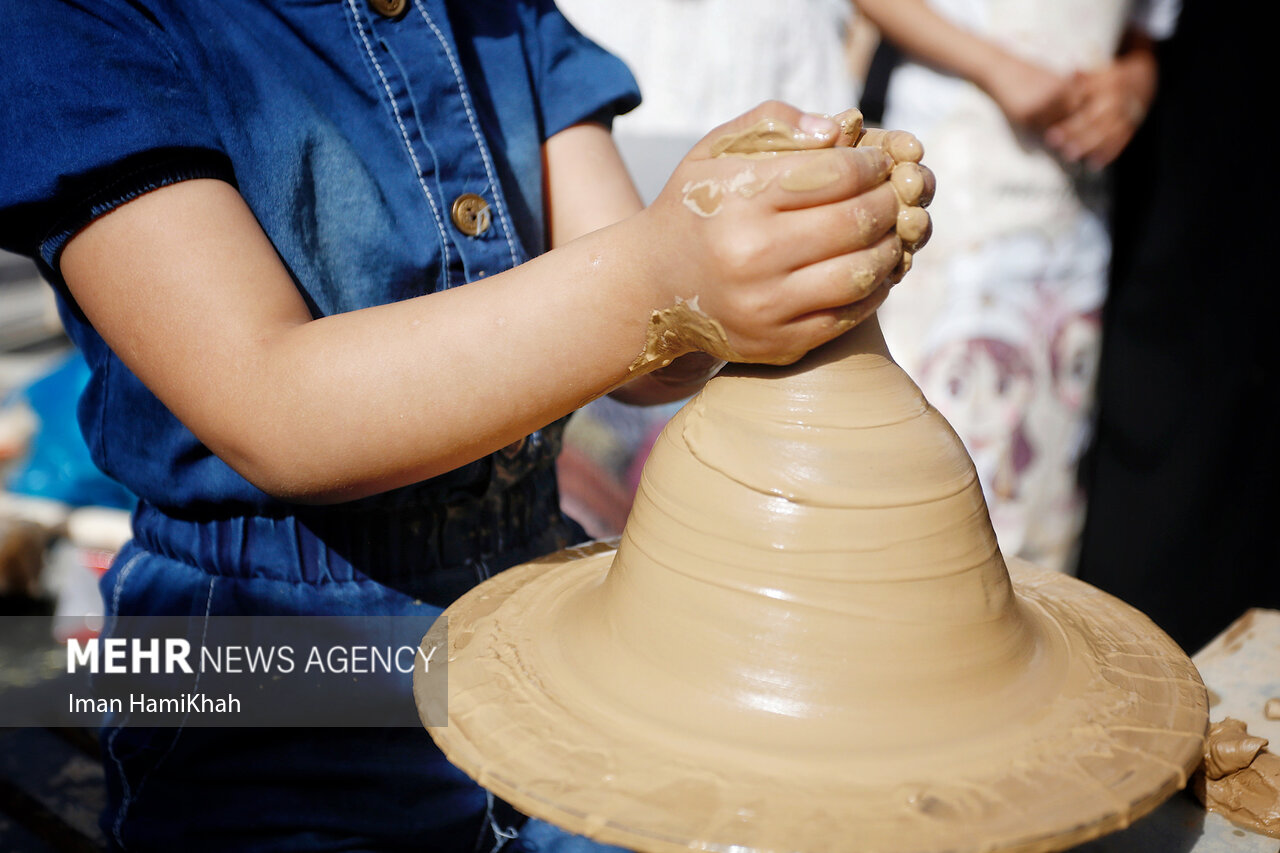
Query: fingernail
(819, 126)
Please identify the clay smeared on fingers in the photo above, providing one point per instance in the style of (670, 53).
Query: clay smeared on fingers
(706, 197)
(914, 227)
(813, 173)
(872, 266)
(850, 124)
(901, 146)
(766, 138)
(903, 267)
(854, 313)
(914, 185)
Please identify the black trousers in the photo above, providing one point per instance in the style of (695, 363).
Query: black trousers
(1183, 474)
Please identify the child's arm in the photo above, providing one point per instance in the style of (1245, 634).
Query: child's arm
(186, 288)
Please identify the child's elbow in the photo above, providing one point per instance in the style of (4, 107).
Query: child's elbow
(290, 474)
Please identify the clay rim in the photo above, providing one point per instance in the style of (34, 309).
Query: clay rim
(523, 780)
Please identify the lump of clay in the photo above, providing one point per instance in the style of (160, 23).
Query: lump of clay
(1241, 778)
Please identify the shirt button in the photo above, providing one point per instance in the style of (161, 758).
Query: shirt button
(471, 214)
(389, 8)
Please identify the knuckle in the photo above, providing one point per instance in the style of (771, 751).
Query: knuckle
(743, 254)
(862, 280)
(773, 107)
(750, 313)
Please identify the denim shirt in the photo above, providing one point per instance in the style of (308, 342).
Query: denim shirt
(350, 133)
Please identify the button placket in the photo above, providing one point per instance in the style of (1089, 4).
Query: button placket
(452, 172)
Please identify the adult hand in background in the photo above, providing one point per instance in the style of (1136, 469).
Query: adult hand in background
(1111, 105)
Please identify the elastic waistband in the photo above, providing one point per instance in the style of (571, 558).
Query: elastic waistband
(433, 553)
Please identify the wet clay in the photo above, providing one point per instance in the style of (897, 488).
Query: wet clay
(681, 329)
(808, 634)
(913, 226)
(706, 197)
(766, 138)
(814, 173)
(912, 184)
(1272, 709)
(865, 293)
(1241, 778)
(903, 147)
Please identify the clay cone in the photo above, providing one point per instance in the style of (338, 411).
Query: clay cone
(808, 640)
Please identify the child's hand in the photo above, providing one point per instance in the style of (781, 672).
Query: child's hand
(770, 239)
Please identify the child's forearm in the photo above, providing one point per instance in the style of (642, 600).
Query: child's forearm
(352, 404)
(186, 288)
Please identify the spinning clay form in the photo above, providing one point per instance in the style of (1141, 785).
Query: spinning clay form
(808, 640)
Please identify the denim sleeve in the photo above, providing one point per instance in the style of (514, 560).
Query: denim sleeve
(98, 109)
(576, 79)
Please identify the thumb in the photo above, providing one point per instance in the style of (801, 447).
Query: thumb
(771, 127)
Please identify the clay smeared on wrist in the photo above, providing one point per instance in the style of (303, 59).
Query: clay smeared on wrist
(681, 329)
